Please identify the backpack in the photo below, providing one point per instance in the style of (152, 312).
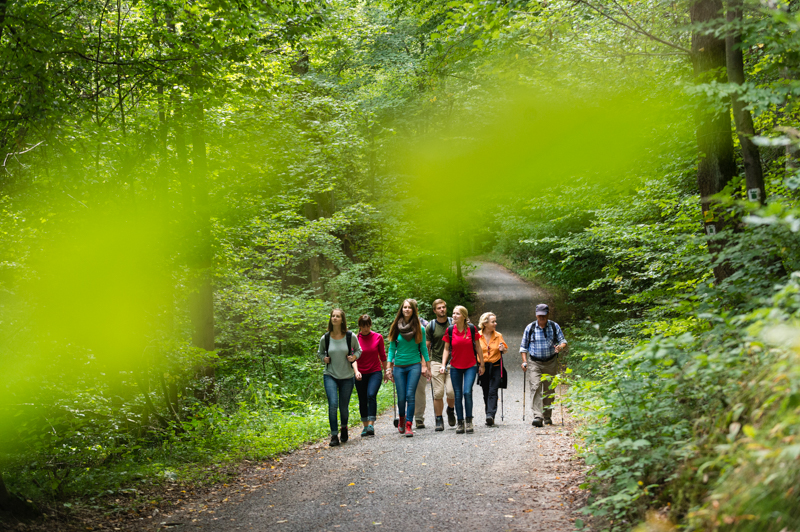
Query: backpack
(348, 336)
(472, 332)
(526, 340)
(431, 327)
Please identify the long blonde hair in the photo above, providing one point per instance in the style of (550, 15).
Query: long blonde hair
(464, 312)
(485, 319)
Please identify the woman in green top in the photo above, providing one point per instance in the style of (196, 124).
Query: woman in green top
(408, 359)
(338, 349)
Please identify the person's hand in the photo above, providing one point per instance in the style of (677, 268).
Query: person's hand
(327, 360)
(425, 371)
(351, 358)
(503, 348)
(358, 375)
(429, 376)
(481, 369)
(389, 375)
(524, 366)
(442, 370)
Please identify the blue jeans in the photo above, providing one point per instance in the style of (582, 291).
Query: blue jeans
(367, 389)
(338, 392)
(462, 380)
(406, 380)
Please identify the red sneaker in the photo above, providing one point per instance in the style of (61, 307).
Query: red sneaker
(401, 427)
(409, 432)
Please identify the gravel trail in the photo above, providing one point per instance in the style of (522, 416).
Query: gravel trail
(508, 477)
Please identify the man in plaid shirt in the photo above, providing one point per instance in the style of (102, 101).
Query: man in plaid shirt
(541, 343)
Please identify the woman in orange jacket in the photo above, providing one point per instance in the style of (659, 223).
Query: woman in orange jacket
(495, 376)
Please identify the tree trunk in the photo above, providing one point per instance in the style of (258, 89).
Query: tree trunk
(316, 276)
(201, 300)
(161, 185)
(181, 163)
(716, 166)
(754, 176)
(457, 249)
(204, 307)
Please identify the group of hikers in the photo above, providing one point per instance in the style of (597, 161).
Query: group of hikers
(447, 354)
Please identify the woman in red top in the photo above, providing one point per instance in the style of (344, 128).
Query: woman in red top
(462, 342)
(368, 373)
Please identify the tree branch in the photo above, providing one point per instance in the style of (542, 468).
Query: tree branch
(636, 29)
(15, 153)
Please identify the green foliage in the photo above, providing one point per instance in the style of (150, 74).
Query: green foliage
(693, 420)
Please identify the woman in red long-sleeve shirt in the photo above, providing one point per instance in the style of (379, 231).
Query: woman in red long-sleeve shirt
(369, 373)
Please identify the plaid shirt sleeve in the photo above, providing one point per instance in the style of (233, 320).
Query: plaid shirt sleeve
(524, 348)
(559, 334)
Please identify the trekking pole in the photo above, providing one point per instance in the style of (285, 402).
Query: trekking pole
(542, 392)
(394, 404)
(501, 405)
(561, 402)
(524, 388)
(432, 398)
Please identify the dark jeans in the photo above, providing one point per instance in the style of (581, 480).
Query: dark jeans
(492, 384)
(367, 389)
(338, 392)
(406, 380)
(462, 380)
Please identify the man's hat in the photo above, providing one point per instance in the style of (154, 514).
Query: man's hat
(542, 310)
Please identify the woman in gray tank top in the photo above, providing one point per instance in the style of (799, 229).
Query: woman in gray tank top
(338, 349)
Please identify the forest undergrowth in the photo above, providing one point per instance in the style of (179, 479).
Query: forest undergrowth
(687, 389)
(187, 189)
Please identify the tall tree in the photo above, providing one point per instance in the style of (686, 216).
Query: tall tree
(202, 296)
(716, 166)
(754, 176)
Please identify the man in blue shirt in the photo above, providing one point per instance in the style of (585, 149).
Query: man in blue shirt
(541, 343)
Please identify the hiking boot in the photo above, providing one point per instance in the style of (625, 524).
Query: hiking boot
(401, 427)
(470, 428)
(334, 440)
(460, 428)
(370, 430)
(420, 424)
(548, 421)
(537, 422)
(439, 423)
(451, 416)
(364, 432)
(489, 421)
(344, 436)
(409, 432)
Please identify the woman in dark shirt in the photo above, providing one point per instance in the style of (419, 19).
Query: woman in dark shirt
(369, 373)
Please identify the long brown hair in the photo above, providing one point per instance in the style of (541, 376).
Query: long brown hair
(344, 321)
(415, 323)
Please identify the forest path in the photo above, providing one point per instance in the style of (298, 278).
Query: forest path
(511, 476)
